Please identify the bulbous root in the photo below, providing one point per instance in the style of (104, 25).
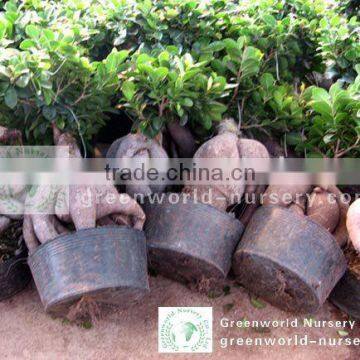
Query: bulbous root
(323, 210)
(227, 144)
(220, 146)
(340, 233)
(88, 206)
(138, 146)
(285, 195)
(326, 206)
(353, 224)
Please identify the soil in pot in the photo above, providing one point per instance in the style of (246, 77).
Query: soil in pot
(14, 273)
(10, 241)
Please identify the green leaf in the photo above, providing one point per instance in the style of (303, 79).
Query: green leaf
(48, 94)
(145, 68)
(161, 73)
(293, 139)
(214, 294)
(217, 107)
(343, 333)
(68, 49)
(179, 110)
(3, 87)
(60, 123)
(87, 325)
(215, 46)
(49, 34)
(233, 48)
(163, 58)
(143, 58)
(23, 80)
(2, 29)
(255, 302)
(27, 44)
(129, 89)
(250, 63)
(49, 112)
(4, 72)
(267, 81)
(187, 102)
(190, 74)
(319, 94)
(207, 122)
(114, 59)
(328, 138)
(157, 123)
(32, 31)
(322, 108)
(241, 42)
(11, 98)
(269, 20)
(220, 84)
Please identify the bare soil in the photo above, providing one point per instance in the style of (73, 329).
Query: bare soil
(26, 332)
(353, 260)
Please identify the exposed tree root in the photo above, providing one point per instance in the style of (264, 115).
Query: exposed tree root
(83, 310)
(88, 206)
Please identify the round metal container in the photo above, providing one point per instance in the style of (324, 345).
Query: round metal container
(190, 242)
(346, 295)
(107, 264)
(288, 260)
(14, 275)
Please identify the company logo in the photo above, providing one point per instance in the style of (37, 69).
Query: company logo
(185, 329)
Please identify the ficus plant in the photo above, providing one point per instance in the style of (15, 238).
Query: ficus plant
(339, 46)
(257, 58)
(49, 79)
(332, 126)
(314, 121)
(157, 88)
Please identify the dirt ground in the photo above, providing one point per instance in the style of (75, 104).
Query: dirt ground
(26, 332)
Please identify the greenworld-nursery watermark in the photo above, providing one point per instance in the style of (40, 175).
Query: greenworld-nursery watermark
(340, 337)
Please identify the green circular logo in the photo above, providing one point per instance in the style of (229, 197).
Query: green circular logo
(185, 330)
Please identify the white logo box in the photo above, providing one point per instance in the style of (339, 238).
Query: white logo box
(185, 330)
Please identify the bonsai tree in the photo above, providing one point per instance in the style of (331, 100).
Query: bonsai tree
(40, 228)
